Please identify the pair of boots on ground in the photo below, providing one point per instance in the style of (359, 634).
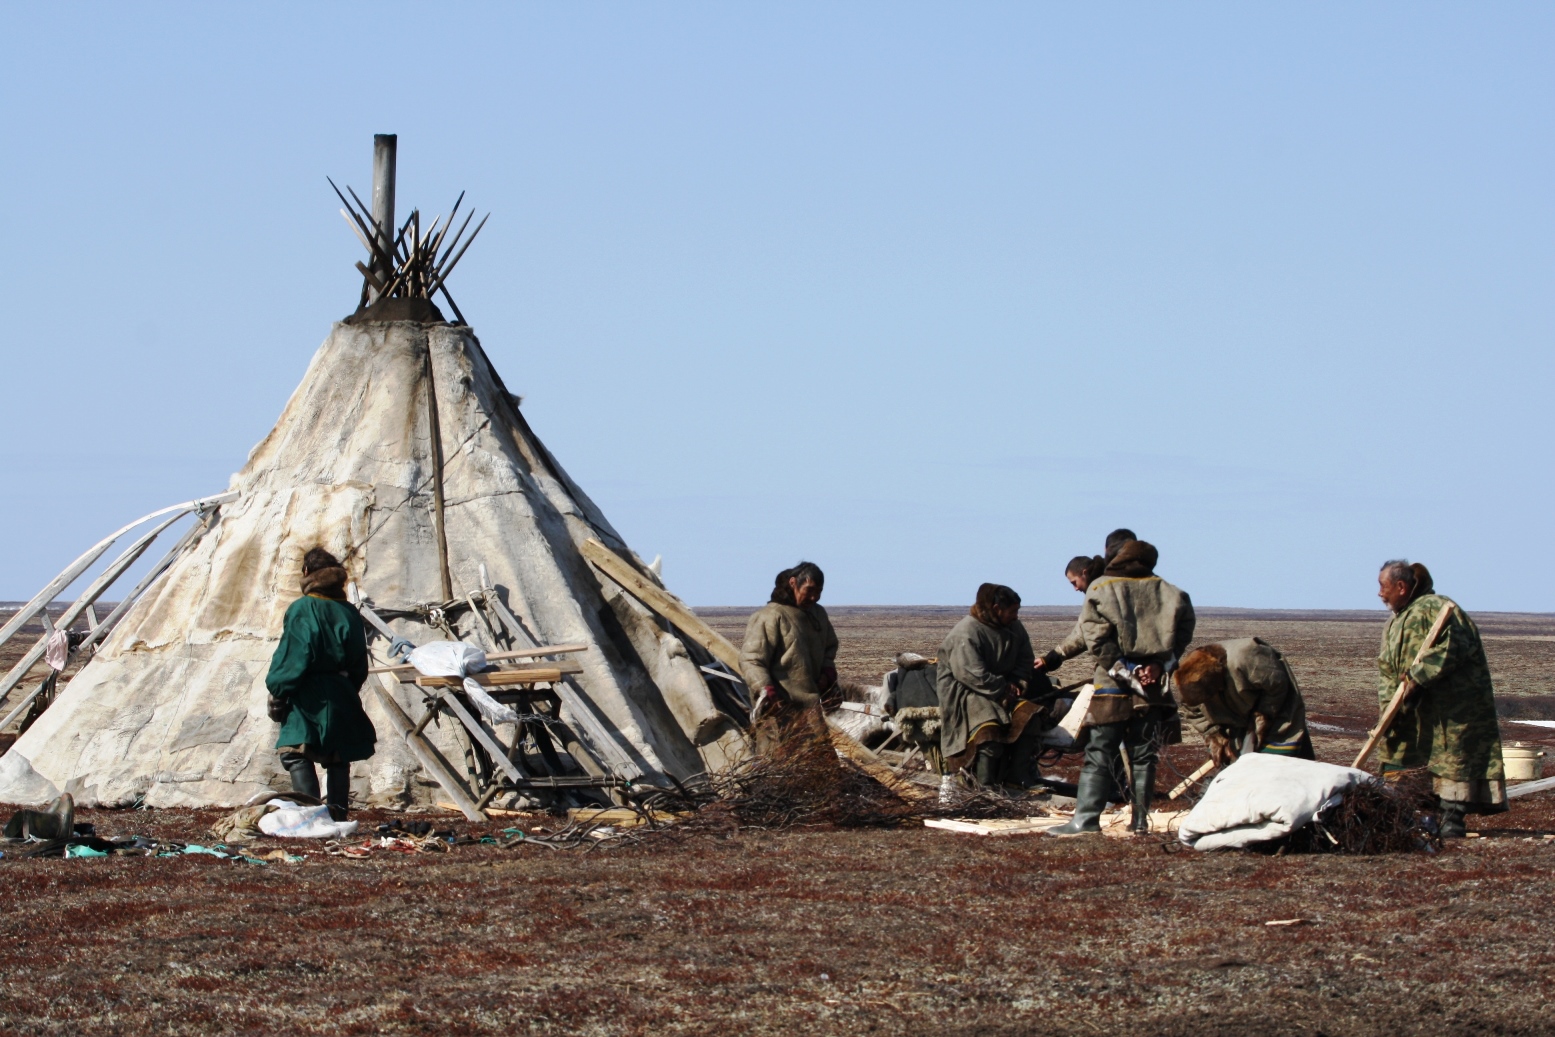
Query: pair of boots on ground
(1102, 772)
(55, 821)
(305, 781)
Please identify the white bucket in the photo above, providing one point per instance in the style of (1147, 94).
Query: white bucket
(1523, 762)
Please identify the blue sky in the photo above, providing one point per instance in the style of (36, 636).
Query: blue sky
(930, 294)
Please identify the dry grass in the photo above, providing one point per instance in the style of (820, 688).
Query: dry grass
(817, 930)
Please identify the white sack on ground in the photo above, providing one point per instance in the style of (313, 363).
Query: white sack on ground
(1263, 796)
(22, 785)
(294, 821)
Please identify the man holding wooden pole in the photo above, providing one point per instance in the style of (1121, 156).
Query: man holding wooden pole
(1432, 655)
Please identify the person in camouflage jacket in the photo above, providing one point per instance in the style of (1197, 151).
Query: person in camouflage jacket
(1448, 725)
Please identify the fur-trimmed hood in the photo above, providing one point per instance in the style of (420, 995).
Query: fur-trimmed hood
(1134, 559)
(326, 583)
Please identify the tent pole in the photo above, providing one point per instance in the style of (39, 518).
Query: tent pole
(384, 146)
(437, 478)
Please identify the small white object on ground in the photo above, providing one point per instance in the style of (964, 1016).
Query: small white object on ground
(1263, 796)
(294, 821)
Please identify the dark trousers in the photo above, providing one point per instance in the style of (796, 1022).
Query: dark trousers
(306, 780)
(1140, 736)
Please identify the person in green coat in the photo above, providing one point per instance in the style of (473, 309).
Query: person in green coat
(1448, 725)
(315, 683)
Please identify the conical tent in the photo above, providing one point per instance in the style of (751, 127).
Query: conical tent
(171, 710)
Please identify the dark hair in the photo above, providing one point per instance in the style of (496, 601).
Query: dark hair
(1198, 673)
(1116, 539)
(317, 558)
(1398, 570)
(991, 596)
(1089, 566)
(804, 572)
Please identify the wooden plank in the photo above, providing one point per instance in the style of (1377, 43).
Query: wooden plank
(600, 738)
(491, 657)
(483, 735)
(1188, 782)
(997, 826)
(425, 752)
(662, 602)
(1530, 787)
(504, 678)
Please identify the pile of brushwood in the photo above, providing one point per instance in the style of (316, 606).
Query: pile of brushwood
(1397, 816)
(801, 780)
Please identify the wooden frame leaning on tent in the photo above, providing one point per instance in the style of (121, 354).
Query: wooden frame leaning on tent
(206, 511)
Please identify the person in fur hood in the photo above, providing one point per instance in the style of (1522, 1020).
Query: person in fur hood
(315, 682)
(789, 656)
(986, 669)
(1136, 627)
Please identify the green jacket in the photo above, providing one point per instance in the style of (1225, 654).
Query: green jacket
(1449, 725)
(787, 647)
(977, 664)
(319, 668)
(1259, 683)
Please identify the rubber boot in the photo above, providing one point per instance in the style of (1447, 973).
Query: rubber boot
(986, 767)
(1021, 765)
(55, 821)
(1452, 826)
(304, 778)
(1089, 801)
(337, 793)
(1143, 792)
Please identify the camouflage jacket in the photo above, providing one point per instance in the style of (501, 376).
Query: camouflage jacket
(1449, 724)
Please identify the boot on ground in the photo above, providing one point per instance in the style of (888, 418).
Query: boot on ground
(985, 768)
(1090, 800)
(1143, 792)
(338, 790)
(1452, 826)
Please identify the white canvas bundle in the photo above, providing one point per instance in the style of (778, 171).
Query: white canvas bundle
(294, 821)
(1264, 796)
(457, 659)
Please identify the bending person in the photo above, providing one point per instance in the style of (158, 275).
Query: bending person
(1136, 625)
(1240, 696)
(1449, 724)
(986, 666)
(789, 657)
(315, 683)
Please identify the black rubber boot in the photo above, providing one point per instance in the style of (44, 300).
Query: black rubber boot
(1089, 801)
(337, 793)
(304, 778)
(1452, 826)
(985, 768)
(1020, 767)
(1144, 791)
(55, 821)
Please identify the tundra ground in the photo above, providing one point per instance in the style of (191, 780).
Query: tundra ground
(820, 931)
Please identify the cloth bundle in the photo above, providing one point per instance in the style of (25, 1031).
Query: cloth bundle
(457, 659)
(1264, 796)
